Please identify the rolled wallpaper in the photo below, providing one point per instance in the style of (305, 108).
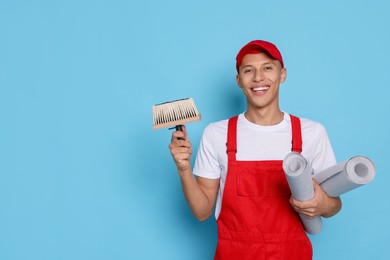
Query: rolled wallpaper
(335, 180)
(299, 177)
(346, 176)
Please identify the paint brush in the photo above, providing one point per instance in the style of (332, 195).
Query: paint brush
(175, 113)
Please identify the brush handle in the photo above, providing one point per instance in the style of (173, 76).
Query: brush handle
(179, 128)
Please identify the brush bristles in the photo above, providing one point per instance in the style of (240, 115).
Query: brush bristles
(174, 113)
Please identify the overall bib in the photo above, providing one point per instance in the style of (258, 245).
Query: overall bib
(256, 220)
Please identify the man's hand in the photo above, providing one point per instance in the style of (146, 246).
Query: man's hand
(181, 149)
(321, 205)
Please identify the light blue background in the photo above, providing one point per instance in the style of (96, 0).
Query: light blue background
(84, 176)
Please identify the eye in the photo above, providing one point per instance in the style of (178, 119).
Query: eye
(268, 68)
(247, 70)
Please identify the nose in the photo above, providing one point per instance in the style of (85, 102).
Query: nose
(258, 76)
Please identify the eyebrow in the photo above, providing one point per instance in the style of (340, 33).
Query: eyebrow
(262, 64)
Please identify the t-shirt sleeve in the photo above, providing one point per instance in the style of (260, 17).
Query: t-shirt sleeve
(206, 162)
(323, 154)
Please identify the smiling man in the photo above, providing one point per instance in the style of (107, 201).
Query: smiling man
(238, 167)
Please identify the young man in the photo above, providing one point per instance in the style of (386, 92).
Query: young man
(239, 167)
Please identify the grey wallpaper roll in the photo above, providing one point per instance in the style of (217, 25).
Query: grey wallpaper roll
(335, 181)
(299, 177)
(346, 176)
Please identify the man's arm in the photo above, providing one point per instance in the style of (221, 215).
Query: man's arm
(321, 205)
(200, 193)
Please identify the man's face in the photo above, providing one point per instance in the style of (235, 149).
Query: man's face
(259, 77)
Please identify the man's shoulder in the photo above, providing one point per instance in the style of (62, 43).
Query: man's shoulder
(217, 128)
(309, 125)
(221, 124)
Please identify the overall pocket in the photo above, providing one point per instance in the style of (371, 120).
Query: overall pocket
(262, 184)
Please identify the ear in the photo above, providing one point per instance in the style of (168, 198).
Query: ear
(238, 80)
(283, 75)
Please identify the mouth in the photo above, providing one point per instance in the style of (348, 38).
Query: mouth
(260, 90)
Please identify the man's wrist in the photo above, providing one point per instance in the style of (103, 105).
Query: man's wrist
(185, 172)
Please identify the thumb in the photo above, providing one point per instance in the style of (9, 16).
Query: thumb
(315, 184)
(184, 130)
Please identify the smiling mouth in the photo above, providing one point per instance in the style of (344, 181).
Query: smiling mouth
(260, 90)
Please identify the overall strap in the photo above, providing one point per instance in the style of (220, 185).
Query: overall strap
(296, 134)
(232, 138)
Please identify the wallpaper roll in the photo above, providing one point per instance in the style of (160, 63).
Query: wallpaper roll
(299, 177)
(335, 180)
(346, 176)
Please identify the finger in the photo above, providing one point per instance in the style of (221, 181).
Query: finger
(181, 156)
(303, 205)
(319, 193)
(309, 215)
(297, 203)
(316, 185)
(183, 130)
(183, 150)
(177, 135)
(177, 144)
(308, 212)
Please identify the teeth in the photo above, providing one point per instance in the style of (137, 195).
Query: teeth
(260, 89)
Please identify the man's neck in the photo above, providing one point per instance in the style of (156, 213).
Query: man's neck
(264, 117)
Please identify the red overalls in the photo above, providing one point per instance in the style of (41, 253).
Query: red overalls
(256, 219)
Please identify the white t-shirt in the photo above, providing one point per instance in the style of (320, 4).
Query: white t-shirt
(255, 143)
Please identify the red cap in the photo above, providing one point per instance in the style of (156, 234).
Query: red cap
(258, 46)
